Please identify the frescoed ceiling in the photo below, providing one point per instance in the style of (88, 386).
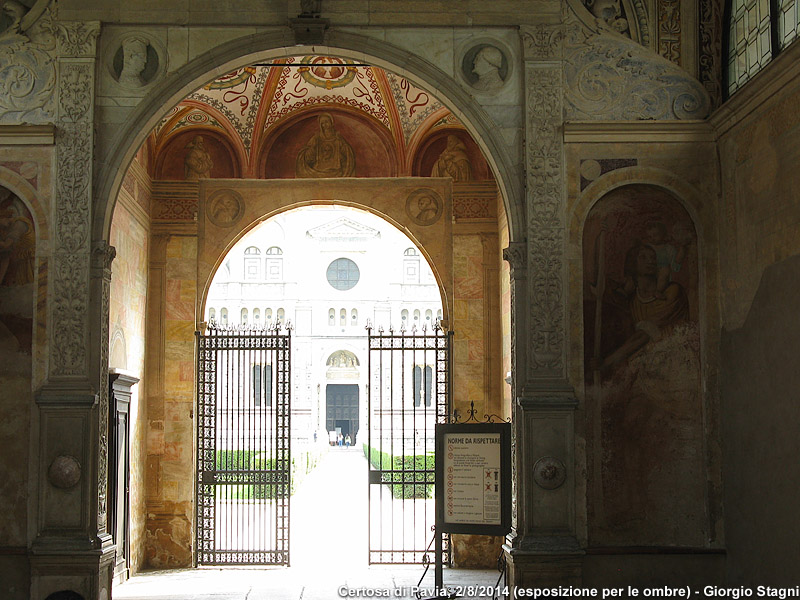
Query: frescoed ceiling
(251, 104)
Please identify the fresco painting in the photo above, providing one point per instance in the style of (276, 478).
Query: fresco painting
(642, 357)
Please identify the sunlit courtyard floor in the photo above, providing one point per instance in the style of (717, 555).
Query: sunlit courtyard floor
(328, 549)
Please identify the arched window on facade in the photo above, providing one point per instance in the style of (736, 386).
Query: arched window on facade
(281, 316)
(268, 315)
(423, 384)
(439, 315)
(343, 317)
(256, 316)
(404, 317)
(354, 317)
(429, 317)
(212, 314)
(332, 317)
(274, 264)
(252, 263)
(757, 32)
(223, 316)
(244, 316)
(416, 317)
(411, 266)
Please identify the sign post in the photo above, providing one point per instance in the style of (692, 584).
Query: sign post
(473, 482)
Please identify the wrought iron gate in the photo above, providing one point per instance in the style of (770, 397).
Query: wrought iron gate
(244, 448)
(408, 393)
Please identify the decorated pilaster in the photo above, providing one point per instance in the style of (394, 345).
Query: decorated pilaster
(72, 549)
(542, 548)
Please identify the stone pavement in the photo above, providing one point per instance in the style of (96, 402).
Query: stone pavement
(328, 550)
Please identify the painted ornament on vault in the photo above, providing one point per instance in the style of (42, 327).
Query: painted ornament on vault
(326, 72)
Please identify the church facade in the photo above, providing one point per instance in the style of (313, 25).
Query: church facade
(604, 194)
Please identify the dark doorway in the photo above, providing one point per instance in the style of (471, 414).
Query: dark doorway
(341, 409)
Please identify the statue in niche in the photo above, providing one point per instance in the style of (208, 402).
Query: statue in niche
(609, 14)
(326, 154)
(453, 161)
(134, 53)
(197, 163)
(486, 66)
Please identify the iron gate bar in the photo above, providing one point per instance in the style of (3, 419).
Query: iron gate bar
(244, 445)
(402, 351)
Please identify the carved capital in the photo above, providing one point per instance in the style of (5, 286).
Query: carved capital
(517, 257)
(542, 41)
(103, 255)
(76, 39)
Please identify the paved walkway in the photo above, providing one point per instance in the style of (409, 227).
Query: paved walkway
(328, 550)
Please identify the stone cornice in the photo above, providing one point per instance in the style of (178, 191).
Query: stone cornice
(638, 131)
(27, 135)
(767, 83)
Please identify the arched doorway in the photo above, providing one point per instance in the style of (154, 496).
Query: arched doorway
(343, 272)
(462, 241)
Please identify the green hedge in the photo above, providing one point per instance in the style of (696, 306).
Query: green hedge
(403, 467)
(246, 460)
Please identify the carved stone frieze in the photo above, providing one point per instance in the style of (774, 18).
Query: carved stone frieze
(711, 49)
(611, 78)
(542, 42)
(77, 39)
(545, 182)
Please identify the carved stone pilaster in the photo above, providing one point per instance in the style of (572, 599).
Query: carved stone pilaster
(73, 199)
(102, 257)
(517, 257)
(546, 207)
(542, 547)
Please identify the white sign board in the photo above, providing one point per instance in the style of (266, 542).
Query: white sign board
(472, 484)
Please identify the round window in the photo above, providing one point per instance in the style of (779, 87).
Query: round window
(343, 274)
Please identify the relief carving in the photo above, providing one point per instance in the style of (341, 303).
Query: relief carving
(609, 13)
(73, 177)
(669, 30)
(27, 69)
(711, 49)
(76, 39)
(541, 42)
(102, 256)
(545, 224)
(609, 77)
(485, 67)
(326, 154)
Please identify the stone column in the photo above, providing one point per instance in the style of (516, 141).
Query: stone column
(72, 549)
(542, 548)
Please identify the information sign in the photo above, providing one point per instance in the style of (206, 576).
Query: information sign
(473, 478)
